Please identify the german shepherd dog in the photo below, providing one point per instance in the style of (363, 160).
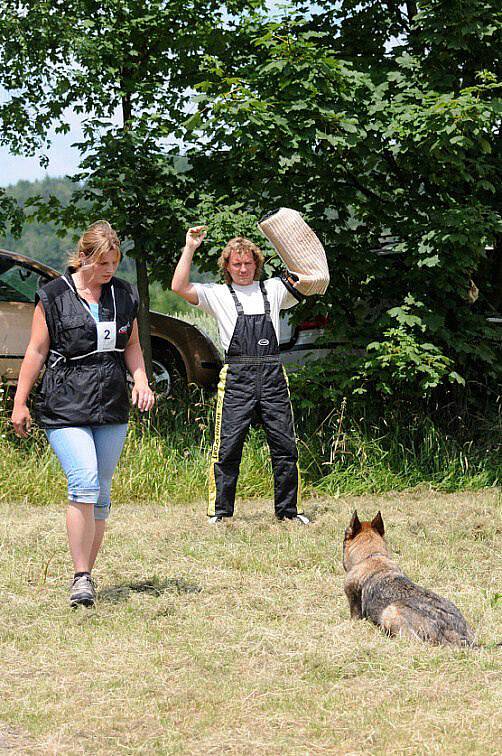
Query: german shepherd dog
(377, 590)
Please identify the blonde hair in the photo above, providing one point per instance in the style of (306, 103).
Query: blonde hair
(240, 245)
(99, 239)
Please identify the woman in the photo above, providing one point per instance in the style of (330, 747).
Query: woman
(85, 332)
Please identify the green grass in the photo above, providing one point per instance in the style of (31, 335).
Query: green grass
(158, 467)
(405, 458)
(166, 458)
(237, 639)
(171, 304)
(203, 321)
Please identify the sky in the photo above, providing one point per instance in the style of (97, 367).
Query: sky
(63, 158)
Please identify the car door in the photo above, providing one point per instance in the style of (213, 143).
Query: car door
(18, 284)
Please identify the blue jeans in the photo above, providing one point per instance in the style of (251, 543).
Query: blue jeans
(89, 456)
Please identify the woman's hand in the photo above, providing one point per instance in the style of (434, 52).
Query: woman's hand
(195, 236)
(34, 358)
(143, 396)
(21, 420)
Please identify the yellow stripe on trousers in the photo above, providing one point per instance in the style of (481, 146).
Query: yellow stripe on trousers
(299, 490)
(217, 440)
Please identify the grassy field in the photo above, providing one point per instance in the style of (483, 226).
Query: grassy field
(168, 461)
(236, 639)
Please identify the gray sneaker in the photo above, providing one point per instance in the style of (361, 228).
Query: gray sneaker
(82, 591)
(301, 518)
(215, 519)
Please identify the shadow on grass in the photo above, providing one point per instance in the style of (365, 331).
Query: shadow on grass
(153, 586)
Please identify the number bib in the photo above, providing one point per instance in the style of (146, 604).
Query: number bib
(107, 335)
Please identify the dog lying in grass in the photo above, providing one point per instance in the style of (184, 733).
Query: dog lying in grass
(379, 591)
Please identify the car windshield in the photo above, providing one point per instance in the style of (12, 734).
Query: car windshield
(17, 282)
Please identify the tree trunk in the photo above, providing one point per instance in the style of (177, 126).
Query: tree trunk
(144, 314)
(141, 271)
(411, 10)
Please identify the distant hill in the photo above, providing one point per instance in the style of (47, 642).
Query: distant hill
(41, 242)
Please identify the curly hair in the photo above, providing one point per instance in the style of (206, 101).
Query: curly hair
(99, 239)
(240, 245)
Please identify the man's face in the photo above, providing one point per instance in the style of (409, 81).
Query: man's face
(242, 268)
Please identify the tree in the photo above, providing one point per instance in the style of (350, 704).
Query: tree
(40, 240)
(126, 66)
(11, 216)
(378, 144)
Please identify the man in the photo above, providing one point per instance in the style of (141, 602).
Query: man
(252, 380)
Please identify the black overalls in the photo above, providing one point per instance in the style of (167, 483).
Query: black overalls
(81, 384)
(253, 383)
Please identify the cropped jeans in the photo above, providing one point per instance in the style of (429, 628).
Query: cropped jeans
(89, 456)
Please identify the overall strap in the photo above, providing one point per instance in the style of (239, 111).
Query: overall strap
(71, 285)
(238, 306)
(266, 303)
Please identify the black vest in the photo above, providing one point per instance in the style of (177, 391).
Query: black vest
(81, 386)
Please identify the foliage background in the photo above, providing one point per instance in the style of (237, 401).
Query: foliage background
(379, 121)
(386, 142)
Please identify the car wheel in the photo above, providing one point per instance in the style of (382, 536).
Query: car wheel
(162, 375)
(166, 373)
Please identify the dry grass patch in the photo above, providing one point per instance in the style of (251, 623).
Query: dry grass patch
(236, 639)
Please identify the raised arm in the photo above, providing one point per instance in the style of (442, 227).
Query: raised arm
(34, 358)
(181, 284)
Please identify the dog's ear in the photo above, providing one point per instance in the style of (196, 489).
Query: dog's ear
(354, 526)
(377, 523)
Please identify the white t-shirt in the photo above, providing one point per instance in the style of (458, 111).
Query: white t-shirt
(216, 300)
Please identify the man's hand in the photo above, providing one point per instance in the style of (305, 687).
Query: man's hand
(181, 283)
(195, 236)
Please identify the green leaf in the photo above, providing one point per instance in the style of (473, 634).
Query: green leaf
(330, 138)
(193, 122)
(429, 262)
(455, 377)
(350, 126)
(485, 145)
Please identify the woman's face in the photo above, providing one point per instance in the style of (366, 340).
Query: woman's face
(102, 271)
